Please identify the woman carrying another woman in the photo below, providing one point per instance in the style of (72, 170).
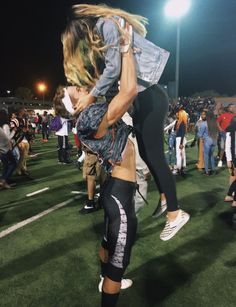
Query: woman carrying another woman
(92, 57)
(101, 131)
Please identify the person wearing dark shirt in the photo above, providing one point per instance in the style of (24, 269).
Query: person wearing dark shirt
(180, 128)
(22, 129)
(231, 161)
(45, 126)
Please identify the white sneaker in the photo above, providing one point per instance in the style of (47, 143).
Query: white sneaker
(125, 283)
(220, 164)
(175, 172)
(171, 228)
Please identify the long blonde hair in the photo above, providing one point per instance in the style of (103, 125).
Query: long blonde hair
(182, 118)
(82, 45)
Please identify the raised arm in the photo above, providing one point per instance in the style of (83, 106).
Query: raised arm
(122, 101)
(111, 37)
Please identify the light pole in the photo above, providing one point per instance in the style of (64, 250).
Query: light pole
(176, 9)
(42, 88)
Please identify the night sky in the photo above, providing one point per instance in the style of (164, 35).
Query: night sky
(31, 49)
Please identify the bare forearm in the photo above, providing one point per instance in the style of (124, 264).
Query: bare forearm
(128, 89)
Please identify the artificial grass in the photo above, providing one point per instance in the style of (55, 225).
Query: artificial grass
(54, 261)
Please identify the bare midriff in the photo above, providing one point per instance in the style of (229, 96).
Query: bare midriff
(126, 169)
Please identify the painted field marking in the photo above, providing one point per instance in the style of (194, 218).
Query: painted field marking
(37, 192)
(79, 192)
(38, 216)
(35, 217)
(44, 152)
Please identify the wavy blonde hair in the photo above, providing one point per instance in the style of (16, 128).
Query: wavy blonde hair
(82, 45)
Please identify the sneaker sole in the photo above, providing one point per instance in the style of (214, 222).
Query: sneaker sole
(176, 230)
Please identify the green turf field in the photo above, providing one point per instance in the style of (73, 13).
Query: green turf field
(53, 261)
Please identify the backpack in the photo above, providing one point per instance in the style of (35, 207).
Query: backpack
(56, 124)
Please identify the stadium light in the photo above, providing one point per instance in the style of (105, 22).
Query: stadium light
(42, 88)
(176, 9)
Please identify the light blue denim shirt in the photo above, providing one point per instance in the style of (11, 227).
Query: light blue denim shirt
(150, 59)
(203, 130)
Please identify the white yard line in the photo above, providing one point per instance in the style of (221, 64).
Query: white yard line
(38, 216)
(35, 217)
(44, 152)
(79, 192)
(37, 192)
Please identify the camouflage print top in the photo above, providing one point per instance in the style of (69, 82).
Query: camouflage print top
(109, 148)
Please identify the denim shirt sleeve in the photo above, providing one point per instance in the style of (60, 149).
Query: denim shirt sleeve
(202, 129)
(108, 30)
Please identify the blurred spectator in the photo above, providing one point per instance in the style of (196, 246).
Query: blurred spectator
(20, 124)
(170, 129)
(45, 126)
(6, 155)
(223, 122)
(92, 172)
(209, 133)
(180, 129)
(231, 161)
(202, 119)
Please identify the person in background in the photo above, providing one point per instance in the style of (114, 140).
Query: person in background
(45, 126)
(6, 155)
(180, 129)
(143, 174)
(208, 132)
(92, 172)
(171, 142)
(20, 122)
(223, 122)
(230, 152)
(62, 133)
(200, 163)
(39, 123)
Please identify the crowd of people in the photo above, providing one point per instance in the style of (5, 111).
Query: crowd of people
(121, 142)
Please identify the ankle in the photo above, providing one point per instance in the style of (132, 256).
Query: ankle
(172, 215)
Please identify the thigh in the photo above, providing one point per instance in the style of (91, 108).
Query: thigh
(60, 141)
(117, 197)
(206, 148)
(89, 166)
(150, 109)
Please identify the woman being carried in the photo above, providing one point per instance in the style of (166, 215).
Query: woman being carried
(92, 36)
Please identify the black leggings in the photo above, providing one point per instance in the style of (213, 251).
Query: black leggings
(120, 225)
(150, 110)
(232, 189)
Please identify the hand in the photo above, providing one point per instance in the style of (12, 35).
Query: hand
(126, 39)
(181, 146)
(229, 164)
(83, 102)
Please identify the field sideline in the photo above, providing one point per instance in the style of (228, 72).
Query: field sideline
(53, 260)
